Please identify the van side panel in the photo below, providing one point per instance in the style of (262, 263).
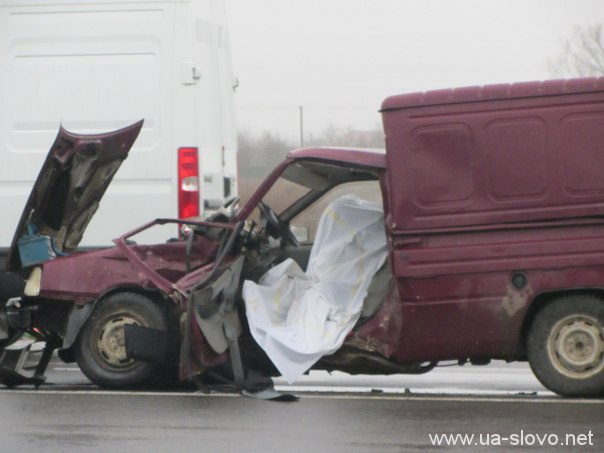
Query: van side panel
(476, 316)
(491, 204)
(91, 68)
(97, 66)
(489, 278)
(502, 161)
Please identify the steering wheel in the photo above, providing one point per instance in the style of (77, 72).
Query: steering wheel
(279, 227)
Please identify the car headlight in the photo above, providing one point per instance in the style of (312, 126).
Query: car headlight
(32, 285)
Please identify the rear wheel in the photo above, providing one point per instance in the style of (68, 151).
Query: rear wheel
(101, 351)
(566, 346)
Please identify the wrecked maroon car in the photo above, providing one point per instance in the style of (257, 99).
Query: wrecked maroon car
(477, 235)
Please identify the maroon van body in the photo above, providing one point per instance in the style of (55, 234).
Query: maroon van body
(496, 198)
(493, 203)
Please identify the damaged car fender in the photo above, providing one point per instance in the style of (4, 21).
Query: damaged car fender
(78, 315)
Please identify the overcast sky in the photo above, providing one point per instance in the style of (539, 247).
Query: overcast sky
(341, 58)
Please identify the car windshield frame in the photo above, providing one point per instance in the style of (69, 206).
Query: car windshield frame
(322, 167)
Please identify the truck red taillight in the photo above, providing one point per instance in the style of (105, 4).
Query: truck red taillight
(188, 182)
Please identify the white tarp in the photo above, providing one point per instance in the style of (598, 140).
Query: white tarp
(298, 317)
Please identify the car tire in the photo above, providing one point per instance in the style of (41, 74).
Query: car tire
(565, 346)
(100, 349)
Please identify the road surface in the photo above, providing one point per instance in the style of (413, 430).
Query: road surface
(499, 407)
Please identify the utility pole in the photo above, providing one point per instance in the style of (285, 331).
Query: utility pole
(301, 110)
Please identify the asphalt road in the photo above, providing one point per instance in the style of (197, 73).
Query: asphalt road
(92, 421)
(501, 405)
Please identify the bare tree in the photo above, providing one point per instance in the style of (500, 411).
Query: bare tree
(333, 135)
(262, 150)
(582, 54)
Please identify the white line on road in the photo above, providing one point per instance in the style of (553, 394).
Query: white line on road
(399, 397)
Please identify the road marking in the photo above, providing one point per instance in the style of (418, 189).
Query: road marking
(400, 390)
(472, 399)
(398, 397)
(112, 393)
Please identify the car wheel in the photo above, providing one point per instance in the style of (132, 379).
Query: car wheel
(565, 346)
(100, 350)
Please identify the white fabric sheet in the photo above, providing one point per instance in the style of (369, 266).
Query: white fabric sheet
(298, 317)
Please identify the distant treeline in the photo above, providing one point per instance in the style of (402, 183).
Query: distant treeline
(260, 152)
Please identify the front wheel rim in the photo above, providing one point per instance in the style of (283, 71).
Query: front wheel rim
(576, 346)
(110, 342)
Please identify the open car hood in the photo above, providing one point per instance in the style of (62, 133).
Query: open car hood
(67, 192)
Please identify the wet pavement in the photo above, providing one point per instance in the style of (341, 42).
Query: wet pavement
(502, 406)
(100, 421)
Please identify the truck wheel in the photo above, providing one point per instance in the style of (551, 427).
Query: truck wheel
(565, 346)
(100, 350)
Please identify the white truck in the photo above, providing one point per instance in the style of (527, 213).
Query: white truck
(96, 66)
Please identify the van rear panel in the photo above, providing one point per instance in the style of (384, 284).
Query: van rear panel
(502, 154)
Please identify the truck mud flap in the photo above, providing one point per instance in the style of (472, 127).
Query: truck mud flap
(143, 343)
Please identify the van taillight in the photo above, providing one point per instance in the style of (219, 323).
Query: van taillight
(188, 183)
